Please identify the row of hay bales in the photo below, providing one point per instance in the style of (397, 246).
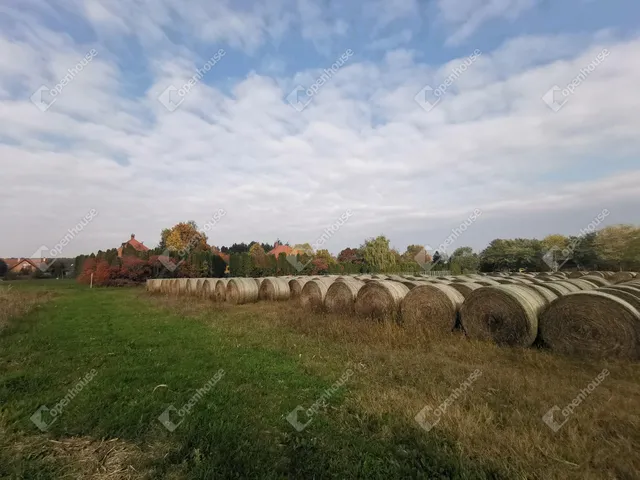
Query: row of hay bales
(594, 315)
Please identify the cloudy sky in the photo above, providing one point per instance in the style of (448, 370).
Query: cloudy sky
(422, 111)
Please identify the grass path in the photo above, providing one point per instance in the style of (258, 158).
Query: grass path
(147, 357)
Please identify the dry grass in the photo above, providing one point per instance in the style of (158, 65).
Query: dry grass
(15, 303)
(498, 419)
(81, 457)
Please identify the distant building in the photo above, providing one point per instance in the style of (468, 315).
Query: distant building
(278, 248)
(17, 265)
(137, 246)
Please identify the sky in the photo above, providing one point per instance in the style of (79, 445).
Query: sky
(403, 116)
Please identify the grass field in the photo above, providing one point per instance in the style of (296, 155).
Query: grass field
(243, 369)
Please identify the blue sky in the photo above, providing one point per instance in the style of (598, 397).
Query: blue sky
(125, 137)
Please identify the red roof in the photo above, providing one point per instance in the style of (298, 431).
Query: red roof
(138, 246)
(278, 249)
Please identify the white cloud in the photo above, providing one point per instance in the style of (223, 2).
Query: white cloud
(362, 144)
(467, 16)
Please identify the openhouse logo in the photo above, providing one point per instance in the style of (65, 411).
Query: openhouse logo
(172, 97)
(556, 97)
(301, 97)
(58, 248)
(428, 97)
(319, 243)
(44, 97)
(44, 417)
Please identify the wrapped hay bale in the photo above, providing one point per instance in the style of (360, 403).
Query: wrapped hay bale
(313, 294)
(296, 285)
(274, 289)
(592, 324)
(209, 288)
(505, 314)
(598, 281)
(341, 296)
(431, 308)
(380, 299)
(241, 291)
(621, 277)
(465, 288)
(220, 294)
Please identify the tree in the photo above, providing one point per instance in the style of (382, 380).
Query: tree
(463, 260)
(163, 238)
(377, 254)
(613, 243)
(350, 255)
(326, 257)
(185, 237)
(411, 252)
(4, 268)
(555, 240)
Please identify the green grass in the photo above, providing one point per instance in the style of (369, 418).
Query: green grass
(148, 357)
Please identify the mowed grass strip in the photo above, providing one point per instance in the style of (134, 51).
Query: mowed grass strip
(147, 357)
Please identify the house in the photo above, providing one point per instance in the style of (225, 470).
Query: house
(18, 265)
(132, 242)
(278, 248)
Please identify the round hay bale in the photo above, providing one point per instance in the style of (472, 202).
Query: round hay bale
(581, 284)
(431, 308)
(627, 288)
(505, 314)
(341, 296)
(413, 283)
(465, 288)
(592, 324)
(557, 288)
(572, 287)
(313, 294)
(597, 274)
(166, 285)
(296, 285)
(380, 300)
(179, 286)
(631, 298)
(191, 289)
(199, 285)
(577, 274)
(241, 291)
(258, 281)
(274, 289)
(152, 285)
(598, 281)
(221, 290)
(209, 288)
(486, 282)
(621, 277)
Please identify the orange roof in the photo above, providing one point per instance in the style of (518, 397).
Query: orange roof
(138, 246)
(278, 249)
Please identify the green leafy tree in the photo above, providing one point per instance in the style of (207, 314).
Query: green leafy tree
(377, 254)
(464, 260)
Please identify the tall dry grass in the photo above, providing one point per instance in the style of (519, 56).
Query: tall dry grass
(15, 303)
